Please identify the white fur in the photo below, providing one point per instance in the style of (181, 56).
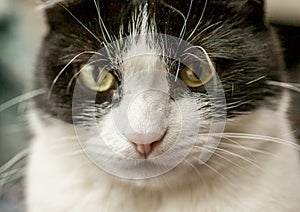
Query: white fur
(61, 177)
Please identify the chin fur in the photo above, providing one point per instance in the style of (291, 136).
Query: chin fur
(60, 177)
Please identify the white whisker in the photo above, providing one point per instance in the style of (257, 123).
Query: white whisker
(195, 169)
(85, 27)
(255, 137)
(21, 98)
(253, 81)
(102, 25)
(290, 86)
(205, 54)
(236, 155)
(238, 144)
(204, 30)
(249, 149)
(222, 176)
(17, 158)
(220, 156)
(262, 138)
(198, 24)
(79, 72)
(183, 30)
(66, 66)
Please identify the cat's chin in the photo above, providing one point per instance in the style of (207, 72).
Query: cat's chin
(178, 177)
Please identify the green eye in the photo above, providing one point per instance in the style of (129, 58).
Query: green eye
(97, 78)
(189, 77)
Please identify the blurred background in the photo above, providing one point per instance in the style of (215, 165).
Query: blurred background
(21, 31)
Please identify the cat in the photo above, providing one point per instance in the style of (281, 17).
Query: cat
(161, 106)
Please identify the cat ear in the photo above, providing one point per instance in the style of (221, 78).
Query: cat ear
(256, 10)
(55, 10)
(251, 10)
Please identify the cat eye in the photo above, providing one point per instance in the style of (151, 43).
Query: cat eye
(97, 78)
(204, 75)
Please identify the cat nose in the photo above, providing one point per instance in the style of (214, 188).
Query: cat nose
(144, 144)
(144, 149)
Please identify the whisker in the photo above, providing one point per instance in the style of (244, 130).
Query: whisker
(64, 68)
(236, 155)
(85, 27)
(168, 184)
(237, 104)
(74, 153)
(220, 156)
(255, 137)
(21, 98)
(10, 173)
(200, 19)
(174, 9)
(205, 54)
(222, 176)
(262, 138)
(204, 30)
(183, 30)
(178, 70)
(78, 73)
(13, 169)
(16, 159)
(255, 80)
(238, 144)
(102, 25)
(250, 149)
(195, 169)
(290, 86)
(11, 177)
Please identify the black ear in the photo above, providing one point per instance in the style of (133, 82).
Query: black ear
(58, 12)
(256, 11)
(251, 10)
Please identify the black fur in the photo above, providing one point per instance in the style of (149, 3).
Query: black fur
(240, 43)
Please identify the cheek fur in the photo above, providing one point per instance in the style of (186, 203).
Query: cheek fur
(256, 154)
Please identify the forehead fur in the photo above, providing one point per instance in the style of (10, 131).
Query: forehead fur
(236, 3)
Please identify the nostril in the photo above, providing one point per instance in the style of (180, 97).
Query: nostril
(144, 137)
(145, 149)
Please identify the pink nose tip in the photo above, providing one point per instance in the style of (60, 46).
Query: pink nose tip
(146, 143)
(144, 149)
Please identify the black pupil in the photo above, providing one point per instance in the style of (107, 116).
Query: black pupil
(96, 73)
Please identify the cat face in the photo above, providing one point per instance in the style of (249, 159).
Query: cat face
(147, 80)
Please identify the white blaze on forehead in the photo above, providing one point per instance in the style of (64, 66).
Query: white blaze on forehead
(145, 72)
(143, 111)
(143, 54)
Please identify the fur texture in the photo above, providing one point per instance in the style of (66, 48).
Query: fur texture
(257, 149)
